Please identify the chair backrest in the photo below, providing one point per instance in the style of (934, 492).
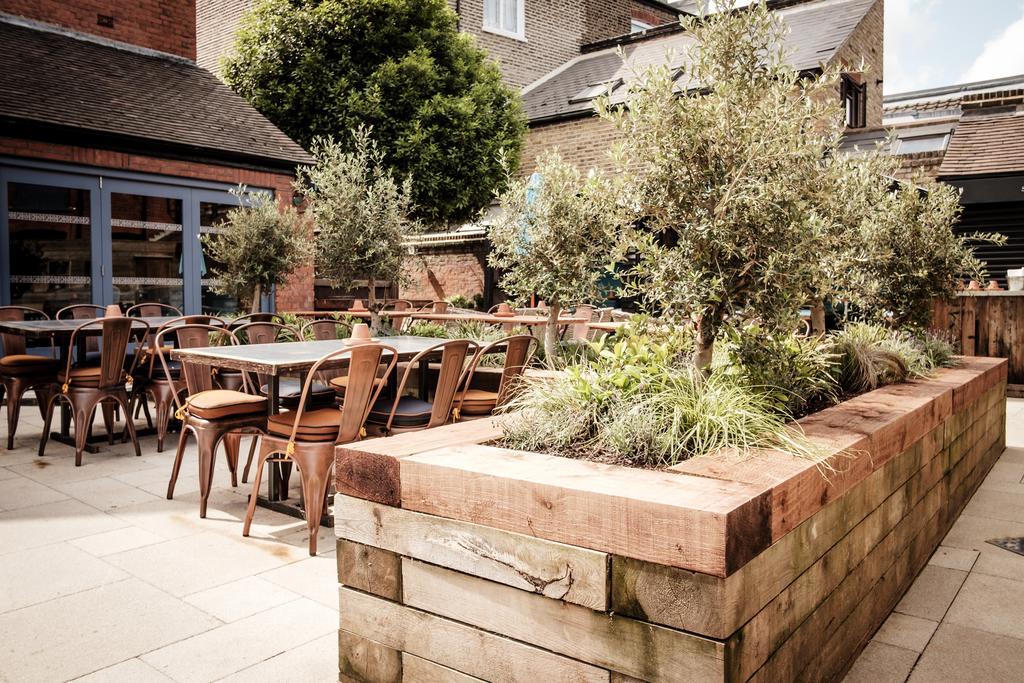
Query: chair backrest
(398, 322)
(518, 350)
(261, 332)
(450, 377)
(152, 309)
(362, 392)
(323, 329)
(115, 335)
(252, 318)
(202, 319)
(14, 344)
(80, 312)
(582, 330)
(191, 336)
(436, 307)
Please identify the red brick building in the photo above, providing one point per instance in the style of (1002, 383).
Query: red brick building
(117, 152)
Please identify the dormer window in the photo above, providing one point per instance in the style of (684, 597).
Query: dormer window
(596, 90)
(855, 101)
(505, 17)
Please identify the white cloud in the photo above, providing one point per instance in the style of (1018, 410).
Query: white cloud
(1001, 56)
(908, 26)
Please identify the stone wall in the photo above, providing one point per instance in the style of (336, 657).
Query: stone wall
(164, 25)
(471, 562)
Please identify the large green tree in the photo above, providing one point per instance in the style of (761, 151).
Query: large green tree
(436, 104)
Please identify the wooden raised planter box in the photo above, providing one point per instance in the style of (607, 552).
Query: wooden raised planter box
(464, 562)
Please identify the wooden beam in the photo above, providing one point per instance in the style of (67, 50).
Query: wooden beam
(556, 570)
(369, 569)
(468, 650)
(365, 661)
(651, 653)
(418, 670)
(702, 524)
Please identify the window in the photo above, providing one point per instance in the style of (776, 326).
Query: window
(596, 90)
(855, 102)
(505, 17)
(922, 143)
(636, 26)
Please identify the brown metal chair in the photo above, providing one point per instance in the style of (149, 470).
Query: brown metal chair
(435, 307)
(21, 371)
(149, 378)
(308, 437)
(152, 309)
(408, 413)
(581, 331)
(209, 413)
(80, 312)
(86, 387)
(323, 329)
(398, 322)
(480, 402)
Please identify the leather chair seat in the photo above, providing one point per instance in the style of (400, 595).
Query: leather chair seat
(340, 384)
(316, 425)
(85, 376)
(220, 403)
(410, 412)
(477, 402)
(289, 390)
(26, 364)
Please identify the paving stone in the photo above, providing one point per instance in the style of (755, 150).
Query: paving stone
(116, 541)
(990, 603)
(105, 493)
(956, 653)
(314, 661)
(51, 523)
(882, 663)
(905, 631)
(129, 671)
(240, 599)
(954, 558)
(19, 492)
(40, 574)
(932, 593)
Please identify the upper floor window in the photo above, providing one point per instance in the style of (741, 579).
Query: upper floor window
(855, 102)
(505, 17)
(635, 26)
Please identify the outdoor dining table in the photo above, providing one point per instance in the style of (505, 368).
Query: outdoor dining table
(293, 358)
(59, 333)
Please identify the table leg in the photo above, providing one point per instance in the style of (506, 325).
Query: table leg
(424, 378)
(274, 479)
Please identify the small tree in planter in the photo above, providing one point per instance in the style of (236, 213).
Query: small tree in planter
(906, 254)
(362, 214)
(260, 244)
(725, 177)
(555, 237)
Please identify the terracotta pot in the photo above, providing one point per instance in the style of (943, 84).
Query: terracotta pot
(504, 310)
(974, 285)
(993, 286)
(357, 305)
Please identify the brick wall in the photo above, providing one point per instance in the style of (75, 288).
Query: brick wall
(609, 18)
(925, 162)
(866, 43)
(585, 142)
(297, 294)
(441, 273)
(165, 25)
(216, 24)
(649, 14)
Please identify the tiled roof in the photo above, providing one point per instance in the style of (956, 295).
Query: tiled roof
(817, 30)
(57, 80)
(986, 142)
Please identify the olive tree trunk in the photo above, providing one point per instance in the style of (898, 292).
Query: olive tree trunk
(818, 317)
(371, 304)
(551, 331)
(257, 295)
(704, 346)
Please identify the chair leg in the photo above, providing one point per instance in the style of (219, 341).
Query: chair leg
(314, 473)
(207, 442)
(129, 423)
(163, 418)
(232, 445)
(144, 402)
(248, 461)
(51, 403)
(84, 410)
(17, 389)
(176, 468)
(107, 408)
(265, 451)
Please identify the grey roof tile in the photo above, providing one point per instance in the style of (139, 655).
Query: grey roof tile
(817, 31)
(60, 80)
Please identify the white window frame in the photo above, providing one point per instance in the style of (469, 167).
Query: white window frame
(520, 20)
(637, 26)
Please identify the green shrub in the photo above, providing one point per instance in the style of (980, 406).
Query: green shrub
(794, 372)
(872, 356)
(474, 303)
(424, 328)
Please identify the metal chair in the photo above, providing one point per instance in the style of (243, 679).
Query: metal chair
(581, 331)
(308, 438)
(323, 329)
(152, 310)
(406, 413)
(435, 307)
(21, 371)
(480, 402)
(398, 322)
(80, 312)
(86, 387)
(209, 413)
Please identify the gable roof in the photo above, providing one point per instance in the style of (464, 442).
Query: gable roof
(817, 30)
(66, 86)
(987, 141)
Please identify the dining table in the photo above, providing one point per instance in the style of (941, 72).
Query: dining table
(297, 358)
(58, 333)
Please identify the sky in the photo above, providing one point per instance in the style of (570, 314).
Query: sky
(930, 43)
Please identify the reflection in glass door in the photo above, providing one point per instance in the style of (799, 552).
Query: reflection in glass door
(211, 215)
(50, 246)
(146, 241)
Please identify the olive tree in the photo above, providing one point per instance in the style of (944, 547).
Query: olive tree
(555, 236)
(363, 215)
(258, 246)
(724, 160)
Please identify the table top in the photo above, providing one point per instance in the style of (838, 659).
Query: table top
(280, 357)
(494, 319)
(64, 328)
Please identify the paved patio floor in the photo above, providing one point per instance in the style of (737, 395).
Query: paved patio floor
(104, 579)
(963, 618)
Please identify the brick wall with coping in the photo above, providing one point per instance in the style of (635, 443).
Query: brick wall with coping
(164, 25)
(297, 294)
(443, 272)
